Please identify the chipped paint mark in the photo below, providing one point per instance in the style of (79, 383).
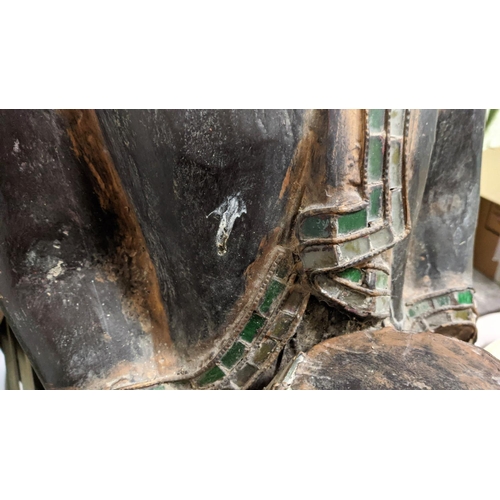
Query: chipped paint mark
(55, 271)
(16, 146)
(290, 374)
(230, 209)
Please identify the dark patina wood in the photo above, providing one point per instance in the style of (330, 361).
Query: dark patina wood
(388, 359)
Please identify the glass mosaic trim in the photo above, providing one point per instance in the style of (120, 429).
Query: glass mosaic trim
(333, 257)
(333, 240)
(330, 242)
(241, 364)
(273, 320)
(364, 292)
(437, 310)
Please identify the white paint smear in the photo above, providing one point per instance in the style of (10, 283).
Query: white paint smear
(232, 208)
(56, 270)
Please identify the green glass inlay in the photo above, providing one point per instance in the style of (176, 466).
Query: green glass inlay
(263, 352)
(398, 222)
(244, 374)
(443, 300)
(375, 203)
(316, 227)
(354, 248)
(422, 307)
(381, 238)
(352, 222)
(375, 159)
(233, 355)
(254, 324)
(465, 297)
(325, 257)
(462, 315)
(353, 299)
(282, 269)
(438, 319)
(397, 122)
(281, 328)
(351, 274)
(395, 152)
(211, 376)
(328, 286)
(273, 291)
(383, 304)
(395, 179)
(293, 302)
(376, 119)
(382, 280)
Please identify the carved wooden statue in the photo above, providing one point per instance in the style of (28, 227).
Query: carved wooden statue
(224, 249)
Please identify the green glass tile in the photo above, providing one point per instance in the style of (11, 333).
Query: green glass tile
(463, 315)
(254, 324)
(395, 179)
(382, 280)
(352, 298)
(423, 307)
(324, 257)
(273, 291)
(351, 274)
(263, 352)
(282, 270)
(328, 286)
(233, 355)
(383, 304)
(316, 227)
(397, 122)
(437, 320)
(395, 152)
(464, 297)
(354, 248)
(352, 222)
(375, 159)
(376, 120)
(211, 376)
(398, 223)
(420, 308)
(293, 302)
(375, 203)
(442, 301)
(381, 238)
(244, 374)
(281, 328)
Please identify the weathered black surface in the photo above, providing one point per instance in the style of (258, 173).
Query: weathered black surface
(66, 273)
(179, 166)
(54, 241)
(442, 241)
(425, 140)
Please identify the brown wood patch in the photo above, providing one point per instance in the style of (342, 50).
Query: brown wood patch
(131, 262)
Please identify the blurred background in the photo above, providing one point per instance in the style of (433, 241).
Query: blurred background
(487, 244)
